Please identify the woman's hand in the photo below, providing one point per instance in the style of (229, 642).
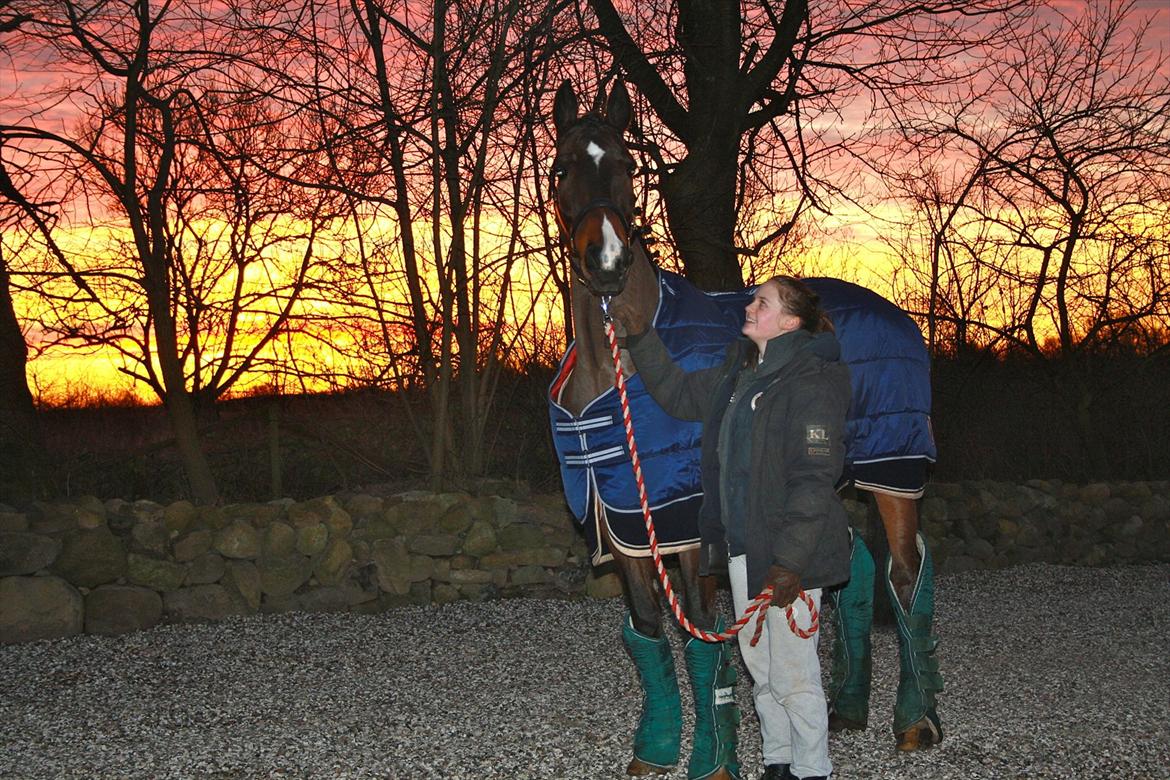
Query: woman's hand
(628, 319)
(785, 586)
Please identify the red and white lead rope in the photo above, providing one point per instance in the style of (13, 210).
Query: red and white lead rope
(759, 605)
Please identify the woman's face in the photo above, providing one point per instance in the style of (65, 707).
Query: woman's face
(766, 316)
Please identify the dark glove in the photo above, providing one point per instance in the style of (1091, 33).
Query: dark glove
(629, 320)
(785, 586)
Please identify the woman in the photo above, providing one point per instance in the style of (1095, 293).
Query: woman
(773, 419)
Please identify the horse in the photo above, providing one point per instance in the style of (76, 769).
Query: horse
(593, 199)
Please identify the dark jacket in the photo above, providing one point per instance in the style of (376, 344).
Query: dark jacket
(794, 517)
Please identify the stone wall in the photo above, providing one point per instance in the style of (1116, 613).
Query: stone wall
(110, 567)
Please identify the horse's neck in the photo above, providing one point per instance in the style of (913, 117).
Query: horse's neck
(594, 371)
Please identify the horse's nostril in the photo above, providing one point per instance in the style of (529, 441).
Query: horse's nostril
(593, 257)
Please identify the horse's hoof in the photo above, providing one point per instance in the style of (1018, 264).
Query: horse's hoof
(639, 768)
(841, 723)
(921, 735)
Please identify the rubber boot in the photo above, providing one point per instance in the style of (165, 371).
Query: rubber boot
(656, 742)
(716, 713)
(916, 723)
(852, 656)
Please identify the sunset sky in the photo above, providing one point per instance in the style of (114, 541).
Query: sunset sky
(854, 241)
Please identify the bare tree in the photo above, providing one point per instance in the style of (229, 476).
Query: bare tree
(1059, 219)
(434, 100)
(1068, 183)
(754, 102)
(163, 164)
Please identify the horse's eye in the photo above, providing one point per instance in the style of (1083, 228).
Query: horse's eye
(559, 173)
(632, 169)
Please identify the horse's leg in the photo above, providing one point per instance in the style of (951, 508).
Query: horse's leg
(900, 521)
(712, 676)
(852, 648)
(657, 740)
(909, 578)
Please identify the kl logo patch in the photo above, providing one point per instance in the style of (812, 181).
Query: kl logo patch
(817, 437)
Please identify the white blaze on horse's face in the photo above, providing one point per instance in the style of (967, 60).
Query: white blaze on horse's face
(595, 153)
(611, 246)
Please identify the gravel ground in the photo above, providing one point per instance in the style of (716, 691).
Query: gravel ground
(1051, 672)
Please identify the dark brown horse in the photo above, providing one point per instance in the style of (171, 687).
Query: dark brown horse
(595, 204)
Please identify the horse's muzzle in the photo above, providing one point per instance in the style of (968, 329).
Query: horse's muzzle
(607, 280)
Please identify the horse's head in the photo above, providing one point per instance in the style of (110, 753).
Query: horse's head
(593, 190)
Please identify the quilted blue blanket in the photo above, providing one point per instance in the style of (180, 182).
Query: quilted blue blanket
(889, 417)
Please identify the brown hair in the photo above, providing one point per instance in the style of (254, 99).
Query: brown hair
(800, 301)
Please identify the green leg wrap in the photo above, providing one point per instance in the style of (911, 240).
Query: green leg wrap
(852, 657)
(656, 741)
(919, 679)
(716, 713)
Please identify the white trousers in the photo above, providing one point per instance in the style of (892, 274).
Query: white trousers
(787, 690)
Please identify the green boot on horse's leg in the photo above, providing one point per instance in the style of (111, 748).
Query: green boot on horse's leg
(916, 723)
(852, 657)
(656, 742)
(709, 666)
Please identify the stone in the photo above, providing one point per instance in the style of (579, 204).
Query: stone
(26, 553)
(120, 609)
(33, 608)
(238, 540)
(530, 575)
(211, 517)
(1095, 493)
(319, 510)
(289, 602)
(469, 575)
(193, 545)
(445, 594)
(457, 519)
(150, 536)
(311, 539)
(178, 516)
(518, 536)
(90, 558)
(504, 510)
(363, 506)
(334, 565)
(960, 563)
(434, 545)
(422, 568)
(480, 539)
(145, 509)
(202, 603)
(1134, 491)
(537, 556)
(325, 599)
(244, 578)
(155, 573)
(54, 518)
(282, 576)
(476, 592)
(206, 569)
(13, 521)
(279, 539)
(606, 586)
(981, 549)
(391, 558)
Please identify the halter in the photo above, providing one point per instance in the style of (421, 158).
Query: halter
(569, 230)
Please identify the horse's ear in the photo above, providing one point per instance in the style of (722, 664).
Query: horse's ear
(618, 110)
(565, 106)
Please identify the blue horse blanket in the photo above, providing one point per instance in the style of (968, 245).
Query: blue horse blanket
(889, 419)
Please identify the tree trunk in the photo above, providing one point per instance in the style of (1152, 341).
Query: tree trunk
(700, 203)
(21, 448)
